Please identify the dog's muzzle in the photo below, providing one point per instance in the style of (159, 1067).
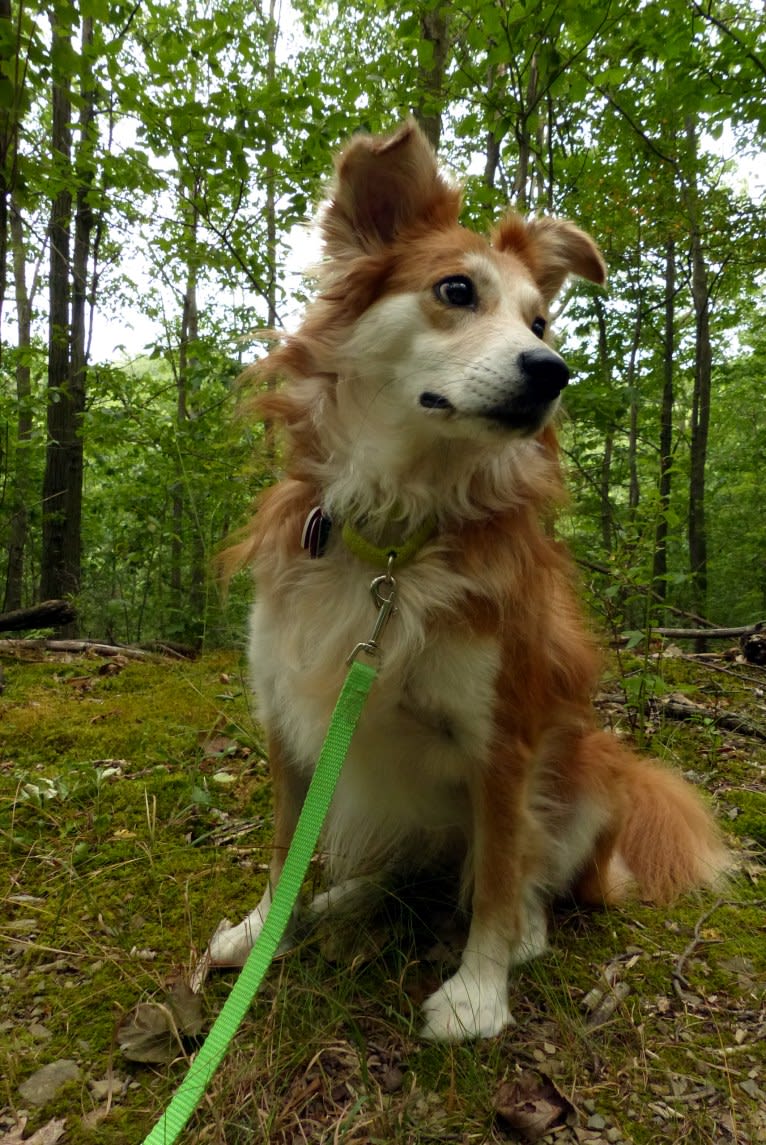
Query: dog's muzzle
(543, 375)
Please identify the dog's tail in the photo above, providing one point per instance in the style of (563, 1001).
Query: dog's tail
(662, 839)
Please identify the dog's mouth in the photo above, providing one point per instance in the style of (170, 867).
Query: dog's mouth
(430, 400)
(527, 404)
(520, 415)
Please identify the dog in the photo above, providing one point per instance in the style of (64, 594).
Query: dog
(422, 391)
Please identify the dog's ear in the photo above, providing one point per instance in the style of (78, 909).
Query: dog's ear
(551, 249)
(385, 184)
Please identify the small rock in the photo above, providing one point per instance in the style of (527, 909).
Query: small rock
(107, 1087)
(45, 1083)
(39, 1031)
(596, 1122)
(613, 1135)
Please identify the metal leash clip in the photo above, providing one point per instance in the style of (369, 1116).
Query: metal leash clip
(383, 591)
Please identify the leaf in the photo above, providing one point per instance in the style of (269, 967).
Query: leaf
(45, 1135)
(153, 1031)
(532, 1106)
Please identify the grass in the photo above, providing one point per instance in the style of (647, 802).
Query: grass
(135, 813)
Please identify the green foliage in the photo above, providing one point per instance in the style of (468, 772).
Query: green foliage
(213, 138)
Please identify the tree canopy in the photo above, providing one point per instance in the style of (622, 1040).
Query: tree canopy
(157, 163)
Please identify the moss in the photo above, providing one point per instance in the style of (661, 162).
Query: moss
(120, 851)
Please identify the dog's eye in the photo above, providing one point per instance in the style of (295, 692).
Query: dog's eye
(538, 326)
(457, 290)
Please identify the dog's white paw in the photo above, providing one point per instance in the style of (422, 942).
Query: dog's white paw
(230, 945)
(464, 1008)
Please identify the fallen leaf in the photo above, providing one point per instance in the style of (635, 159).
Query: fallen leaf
(45, 1135)
(153, 1031)
(532, 1106)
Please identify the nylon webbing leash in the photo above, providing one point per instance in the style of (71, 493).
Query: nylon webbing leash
(345, 718)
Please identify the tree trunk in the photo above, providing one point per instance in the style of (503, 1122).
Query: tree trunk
(8, 47)
(522, 198)
(605, 477)
(22, 483)
(660, 560)
(60, 571)
(67, 361)
(434, 28)
(272, 36)
(700, 420)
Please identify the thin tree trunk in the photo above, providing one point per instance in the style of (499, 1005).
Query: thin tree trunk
(22, 486)
(523, 140)
(8, 48)
(700, 420)
(272, 36)
(660, 561)
(434, 28)
(60, 572)
(607, 519)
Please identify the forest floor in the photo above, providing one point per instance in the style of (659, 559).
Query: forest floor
(135, 814)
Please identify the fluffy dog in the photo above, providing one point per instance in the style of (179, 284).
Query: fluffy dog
(421, 392)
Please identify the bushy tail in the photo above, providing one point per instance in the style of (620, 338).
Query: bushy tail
(663, 839)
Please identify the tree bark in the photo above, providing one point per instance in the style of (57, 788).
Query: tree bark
(272, 36)
(605, 476)
(700, 419)
(8, 129)
(22, 481)
(434, 28)
(60, 570)
(49, 614)
(660, 560)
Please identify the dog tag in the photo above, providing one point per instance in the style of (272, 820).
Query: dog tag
(316, 532)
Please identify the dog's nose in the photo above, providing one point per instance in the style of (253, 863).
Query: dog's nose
(544, 372)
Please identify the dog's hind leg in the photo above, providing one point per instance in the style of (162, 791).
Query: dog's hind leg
(230, 945)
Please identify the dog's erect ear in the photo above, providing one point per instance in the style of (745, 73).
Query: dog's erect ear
(383, 185)
(551, 249)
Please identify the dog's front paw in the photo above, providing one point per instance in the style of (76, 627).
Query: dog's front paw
(230, 945)
(464, 1008)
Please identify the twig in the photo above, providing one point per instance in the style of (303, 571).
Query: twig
(679, 981)
(701, 658)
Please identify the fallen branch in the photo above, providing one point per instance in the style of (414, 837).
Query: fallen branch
(49, 614)
(680, 982)
(700, 633)
(75, 647)
(677, 709)
(730, 721)
(709, 633)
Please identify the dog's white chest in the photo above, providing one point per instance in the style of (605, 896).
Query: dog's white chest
(429, 719)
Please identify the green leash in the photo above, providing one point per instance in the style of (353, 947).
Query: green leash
(345, 717)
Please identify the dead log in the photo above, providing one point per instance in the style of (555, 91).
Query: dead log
(709, 633)
(730, 721)
(76, 648)
(676, 708)
(49, 614)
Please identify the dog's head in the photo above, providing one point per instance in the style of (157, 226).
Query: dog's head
(430, 326)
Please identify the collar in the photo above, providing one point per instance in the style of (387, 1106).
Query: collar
(318, 526)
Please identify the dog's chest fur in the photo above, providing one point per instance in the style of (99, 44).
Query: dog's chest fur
(428, 724)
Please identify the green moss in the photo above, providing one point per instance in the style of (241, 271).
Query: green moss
(120, 851)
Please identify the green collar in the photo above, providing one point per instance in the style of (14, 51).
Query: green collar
(381, 555)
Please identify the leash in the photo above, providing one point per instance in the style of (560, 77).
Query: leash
(345, 718)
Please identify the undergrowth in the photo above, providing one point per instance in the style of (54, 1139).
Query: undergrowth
(135, 814)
